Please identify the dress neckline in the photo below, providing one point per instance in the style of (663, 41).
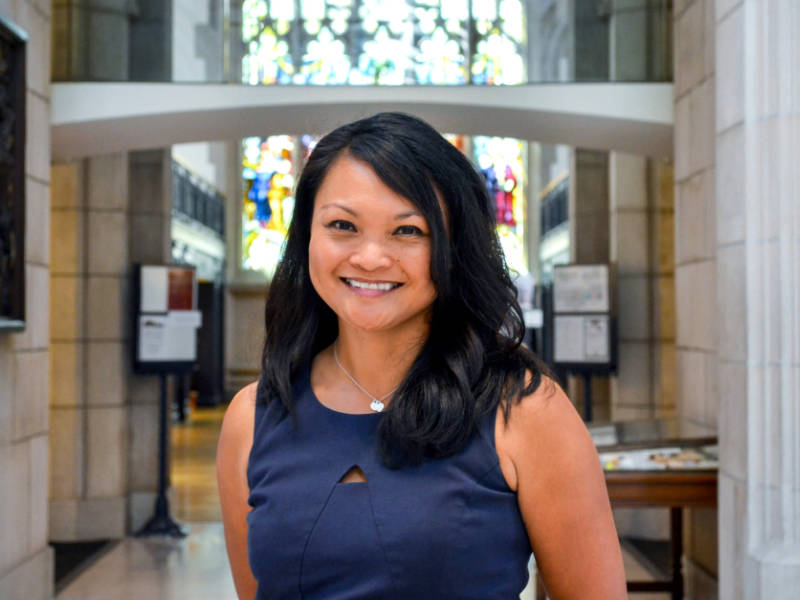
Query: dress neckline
(315, 400)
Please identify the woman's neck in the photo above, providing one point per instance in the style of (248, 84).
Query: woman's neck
(378, 360)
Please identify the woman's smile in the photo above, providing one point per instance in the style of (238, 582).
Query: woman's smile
(370, 289)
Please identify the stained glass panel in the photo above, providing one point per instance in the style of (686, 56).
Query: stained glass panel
(268, 200)
(502, 163)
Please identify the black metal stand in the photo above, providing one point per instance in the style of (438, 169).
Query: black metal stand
(161, 523)
(587, 396)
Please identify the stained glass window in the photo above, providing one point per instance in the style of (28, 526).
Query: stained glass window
(383, 42)
(268, 201)
(502, 163)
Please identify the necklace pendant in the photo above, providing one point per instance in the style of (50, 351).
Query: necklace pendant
(376, 405)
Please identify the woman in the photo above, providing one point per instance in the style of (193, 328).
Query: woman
(400, 442)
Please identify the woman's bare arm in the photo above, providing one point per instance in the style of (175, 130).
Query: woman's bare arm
(550, 460)
(233, 450)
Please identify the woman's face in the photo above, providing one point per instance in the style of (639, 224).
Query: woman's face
(370, 252)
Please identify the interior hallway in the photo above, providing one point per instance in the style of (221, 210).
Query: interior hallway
(196, 567)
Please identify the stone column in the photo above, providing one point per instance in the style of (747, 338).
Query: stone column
(588, 242)
(758, 278)
(149, 242)
(26, 560)
(696, 295)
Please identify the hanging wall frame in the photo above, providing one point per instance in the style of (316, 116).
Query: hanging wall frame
(12, 176)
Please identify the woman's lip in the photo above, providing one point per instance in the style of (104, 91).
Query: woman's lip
(368, 292)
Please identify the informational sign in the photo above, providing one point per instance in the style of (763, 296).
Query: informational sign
(581, 289)
(167, 318)
(582, 339)
(582, 324)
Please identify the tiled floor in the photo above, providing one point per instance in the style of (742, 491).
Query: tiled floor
(194, 568)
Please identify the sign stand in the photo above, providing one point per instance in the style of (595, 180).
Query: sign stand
(584, 332)
(165, 343)
(161, 523)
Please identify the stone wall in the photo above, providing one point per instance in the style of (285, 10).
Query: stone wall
(696, 291)
(26, 561)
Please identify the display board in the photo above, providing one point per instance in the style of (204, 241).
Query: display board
(167, 318)
(583, 327)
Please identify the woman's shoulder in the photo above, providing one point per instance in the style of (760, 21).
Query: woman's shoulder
(542, 432)
(237, 425)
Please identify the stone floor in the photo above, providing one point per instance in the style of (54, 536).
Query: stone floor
(195, 567)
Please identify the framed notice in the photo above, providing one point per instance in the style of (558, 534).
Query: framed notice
(12, 177)
(581, 289)
(167, 318)
(582, 339)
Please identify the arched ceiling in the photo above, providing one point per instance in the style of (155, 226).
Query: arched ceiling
(98, 118)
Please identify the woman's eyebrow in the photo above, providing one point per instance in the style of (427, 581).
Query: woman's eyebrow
(405, 215)
(340, 206)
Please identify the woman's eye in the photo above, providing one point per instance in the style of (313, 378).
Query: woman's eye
(340, 225)
(408, 230)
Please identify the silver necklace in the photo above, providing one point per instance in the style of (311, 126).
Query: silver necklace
(377, 403)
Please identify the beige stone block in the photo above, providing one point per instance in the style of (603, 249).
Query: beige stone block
(730, 70)
(633, 242)
(141, 506)
(37, 25)
(37, 149)
(15, 507)
(664, 180)
(733, 433)
(732, 308)
(732, 536)
(633, 382)
(723, 7)
(107, 181)
(30, 580)
(631, 413)
(67, 449)
(633, 308)
(664, 308)
(143, 389)
(697, 387)
(627, 180)
(665, 241)
(696, 305)
(694, 224)
(66, 184)
(36, 335)
(246, 332)
(150, 175)
(6, 390)
(63, 520)
(66, 373)
(689, 48)
(701, 546)
(66, 308)
(39, 468)
(37, 219)
(107, 308)
(106, 374)
(108, 242)
(702, 130)
(682, 129)
(67, 242)
(143, 455)
(709, 33)
(101, 518)
(665, 379)
(29, 406)
(730, 172)
(106, 438)
(150, 239)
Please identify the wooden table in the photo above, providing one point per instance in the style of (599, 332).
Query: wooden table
(674, 489)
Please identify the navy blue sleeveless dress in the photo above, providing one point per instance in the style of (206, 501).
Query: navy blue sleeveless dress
(448, 528)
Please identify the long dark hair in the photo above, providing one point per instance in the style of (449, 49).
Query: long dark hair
(473, 359)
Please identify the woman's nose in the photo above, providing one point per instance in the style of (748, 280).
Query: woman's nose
(371, 255)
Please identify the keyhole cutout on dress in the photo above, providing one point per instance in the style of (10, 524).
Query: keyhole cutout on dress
(354, 475)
